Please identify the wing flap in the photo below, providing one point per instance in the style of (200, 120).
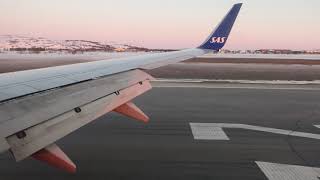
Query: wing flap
(41, 135)
(23, 113)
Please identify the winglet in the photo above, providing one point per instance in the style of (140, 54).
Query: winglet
(219, 36)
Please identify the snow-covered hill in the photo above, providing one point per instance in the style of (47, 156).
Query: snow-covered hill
(23, 43)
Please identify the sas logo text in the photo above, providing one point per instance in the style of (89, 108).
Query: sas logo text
(219, 40)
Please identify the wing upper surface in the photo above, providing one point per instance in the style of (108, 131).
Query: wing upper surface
(21, 83)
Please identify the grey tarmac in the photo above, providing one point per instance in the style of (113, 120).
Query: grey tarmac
(115, 147)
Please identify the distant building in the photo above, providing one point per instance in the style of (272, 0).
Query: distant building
(120, 49)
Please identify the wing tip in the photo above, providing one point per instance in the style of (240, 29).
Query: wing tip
(219, 36)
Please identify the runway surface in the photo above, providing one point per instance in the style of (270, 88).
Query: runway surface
(115, 147)
(197, 68)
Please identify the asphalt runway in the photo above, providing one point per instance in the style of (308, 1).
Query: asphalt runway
(197, 68)
(115, 147)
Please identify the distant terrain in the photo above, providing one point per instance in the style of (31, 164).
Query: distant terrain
(22, 53)
(40, 44)
(36, 45)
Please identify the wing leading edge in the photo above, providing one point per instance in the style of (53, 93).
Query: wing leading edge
(39, 107)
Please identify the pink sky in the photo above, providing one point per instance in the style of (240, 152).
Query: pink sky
(293, 24)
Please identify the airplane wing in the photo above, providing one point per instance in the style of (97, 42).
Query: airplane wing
(39, 107)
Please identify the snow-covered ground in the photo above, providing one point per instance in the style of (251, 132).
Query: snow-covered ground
(11, 42)
(9, 55)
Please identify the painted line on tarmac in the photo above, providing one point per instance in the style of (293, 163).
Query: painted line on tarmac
(274, 82)
(208, 133)
(317, 126)
(214, 131)
(232, 86)
(274, 171)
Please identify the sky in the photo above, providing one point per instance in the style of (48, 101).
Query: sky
(280, 24)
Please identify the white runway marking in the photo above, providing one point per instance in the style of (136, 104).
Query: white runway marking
(317, 126)
(214, 131)
(234, 81)
(224, 85)
(208, 133)
(275, 171)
